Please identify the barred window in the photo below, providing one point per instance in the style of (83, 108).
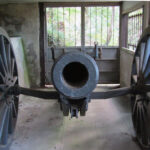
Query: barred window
(135, 24)
(102, 26)
(64, 26)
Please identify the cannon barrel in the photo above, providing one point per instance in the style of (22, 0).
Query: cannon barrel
(75, 75)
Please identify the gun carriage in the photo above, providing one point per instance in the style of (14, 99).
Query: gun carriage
(74, 76)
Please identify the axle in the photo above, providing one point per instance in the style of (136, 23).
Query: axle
(54, 95)
(74, 76)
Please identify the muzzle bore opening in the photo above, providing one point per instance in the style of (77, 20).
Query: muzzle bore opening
(75, 74)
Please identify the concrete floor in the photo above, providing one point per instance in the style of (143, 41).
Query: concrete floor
(107, 126)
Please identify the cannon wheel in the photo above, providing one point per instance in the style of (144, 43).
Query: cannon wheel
(140, 103)
(8, 77)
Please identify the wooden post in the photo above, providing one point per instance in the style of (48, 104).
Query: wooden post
(123, 29)
(41, 40)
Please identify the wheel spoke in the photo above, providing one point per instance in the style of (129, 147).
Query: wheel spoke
(3, 66)
(3, 78)
(144, 134)
(2, 87)
(9, 56)
(5, 128)
(3, 114)
(146, 54)
(134, 108)
(11, 126)
(15, 106)
(137, 60)
(137, 120)
(147, 69)
(142, 49)
(14, 111)
(15, 80)
(134, 78)
(141, 121)
(12, 66)
(134, 71)
(3, 50)
(143, 113)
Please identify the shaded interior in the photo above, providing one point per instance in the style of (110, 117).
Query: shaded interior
(75, 74)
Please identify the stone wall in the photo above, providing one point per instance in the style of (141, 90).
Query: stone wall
(23, 20)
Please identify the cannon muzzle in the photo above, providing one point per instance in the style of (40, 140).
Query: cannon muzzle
(75, 75)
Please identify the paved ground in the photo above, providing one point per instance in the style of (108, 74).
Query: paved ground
(107, 126)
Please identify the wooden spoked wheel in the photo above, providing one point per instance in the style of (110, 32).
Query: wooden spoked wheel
(8, 77)
(140, 102)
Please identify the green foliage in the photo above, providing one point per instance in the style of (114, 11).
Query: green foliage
(102, 26)
(64, 26)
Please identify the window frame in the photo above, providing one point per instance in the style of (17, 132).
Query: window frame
(124, 24)
(82, 5)
(142, 7)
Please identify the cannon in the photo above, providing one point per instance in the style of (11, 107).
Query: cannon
(75, 76)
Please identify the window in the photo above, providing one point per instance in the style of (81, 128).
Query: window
(135, 23)
(65, 26)
(102, 26)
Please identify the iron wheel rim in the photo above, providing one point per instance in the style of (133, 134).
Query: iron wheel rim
(140, 77)
(8, 77)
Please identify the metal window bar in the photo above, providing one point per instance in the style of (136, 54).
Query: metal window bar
(64, 25)
(58, 26)
(52, 24)
(113, 9)
(101, 24)
(75, 27)
(141, 24)
(135, 23)
(90, 26)
(107, 28)
(100, 14)
(69, 23)
(95, 24)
